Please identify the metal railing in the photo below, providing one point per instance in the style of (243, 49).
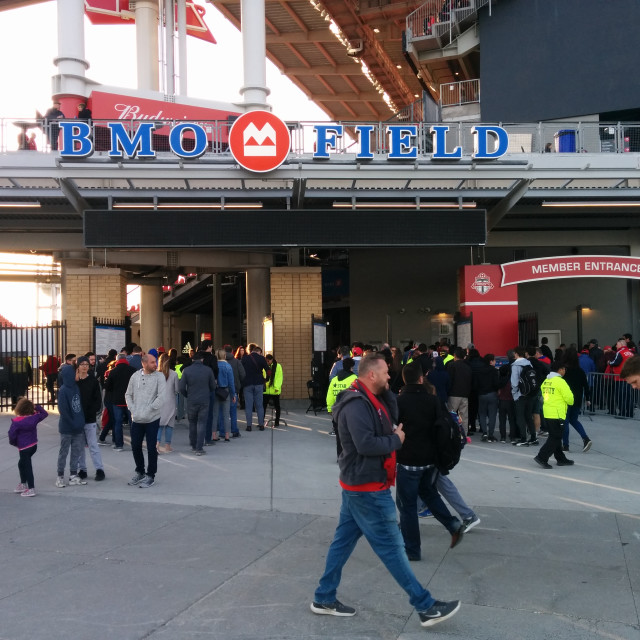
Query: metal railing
(436, 17)
(611, 396)
(459, 93)
(524, 138)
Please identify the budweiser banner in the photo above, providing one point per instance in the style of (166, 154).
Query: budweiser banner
(570, 267)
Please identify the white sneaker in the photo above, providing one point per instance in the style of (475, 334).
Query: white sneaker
(20, 488)
(75, 480)
(60, 482)
(28, 493)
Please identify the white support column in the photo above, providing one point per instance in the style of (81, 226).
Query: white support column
(150, 316)
(254, 47)
(182, 46)
(146, 12)
(70, 62)
(216, 329)
(169, 49)
(258, 302)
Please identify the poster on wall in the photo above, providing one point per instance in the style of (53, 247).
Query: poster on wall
(107, 338)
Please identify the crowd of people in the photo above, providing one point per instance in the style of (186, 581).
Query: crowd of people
(149, 391)
(391, 415)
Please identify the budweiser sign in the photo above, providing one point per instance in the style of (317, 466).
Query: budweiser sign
(570, 267)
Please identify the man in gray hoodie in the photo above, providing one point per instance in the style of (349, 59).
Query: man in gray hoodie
(144, 398)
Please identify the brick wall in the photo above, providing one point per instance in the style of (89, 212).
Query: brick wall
(296, 294)
(89, 293)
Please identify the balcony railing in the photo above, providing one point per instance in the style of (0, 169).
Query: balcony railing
(459, 93)
(435, 17)
(524, 138)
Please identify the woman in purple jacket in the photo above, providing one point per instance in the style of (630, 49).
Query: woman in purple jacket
(23, 434)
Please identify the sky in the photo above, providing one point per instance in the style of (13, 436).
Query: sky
(29, 37)
(28, 45)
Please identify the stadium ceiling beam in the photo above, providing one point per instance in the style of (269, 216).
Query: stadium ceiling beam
(348, 69)
(495, 214)
(298, 37)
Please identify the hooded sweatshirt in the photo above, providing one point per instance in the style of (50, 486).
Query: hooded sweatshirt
(69, 405)
(556, 395)
(338, 384)
(145, 396)
(24, 432)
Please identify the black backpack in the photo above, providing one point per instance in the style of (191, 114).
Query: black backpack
(449, 440)
(528, 383)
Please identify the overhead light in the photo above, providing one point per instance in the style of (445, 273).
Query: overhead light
(20, 205)
(403, 205)
(416, 95)
(591, 203)
(187, 205)
(398, 66)
(376, 30)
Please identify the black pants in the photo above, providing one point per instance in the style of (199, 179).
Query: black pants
(24, 466)
(553, 445)
(524, 416)
(140, 431)
(276, 406)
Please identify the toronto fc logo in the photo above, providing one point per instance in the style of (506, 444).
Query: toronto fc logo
(482, 284)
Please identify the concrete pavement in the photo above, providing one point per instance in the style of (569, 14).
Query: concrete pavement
(230, 545)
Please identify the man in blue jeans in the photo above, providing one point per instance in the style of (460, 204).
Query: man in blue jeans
(366, 415)
(116, 383)
(255, 368)
(418, 462)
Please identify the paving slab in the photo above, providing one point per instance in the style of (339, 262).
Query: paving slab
(230, 546)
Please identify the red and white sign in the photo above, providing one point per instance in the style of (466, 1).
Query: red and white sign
(113, 106)
(259, 141)
(570, 267)
(119, 11)
(494, 308)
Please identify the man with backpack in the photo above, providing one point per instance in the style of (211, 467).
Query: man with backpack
(524, 387)
(427, 451)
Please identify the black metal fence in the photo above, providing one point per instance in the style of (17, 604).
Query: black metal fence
(29, 361)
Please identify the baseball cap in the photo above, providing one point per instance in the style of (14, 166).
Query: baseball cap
(357, 351)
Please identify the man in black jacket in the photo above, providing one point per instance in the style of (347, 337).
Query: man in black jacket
(460, 375)
(366, 414)
(197, 385)
(91, 401)
(418, 467)
(116, 385)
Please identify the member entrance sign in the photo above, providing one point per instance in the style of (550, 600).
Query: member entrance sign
(570, 267)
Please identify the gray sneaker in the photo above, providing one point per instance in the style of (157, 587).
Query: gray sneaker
(75, 480)
(333, 609)
(469, 523)
(147, 482)
(439, 612)
(137, 479)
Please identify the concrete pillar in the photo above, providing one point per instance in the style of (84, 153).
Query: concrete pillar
(150, 317)
(254, 46)
(296, 295)
(147, 44)
(69, 84)
(182, 47)
(216, 329)
(258, 302)
(87, 293)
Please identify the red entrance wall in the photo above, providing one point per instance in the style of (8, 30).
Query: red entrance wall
(495, 308)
